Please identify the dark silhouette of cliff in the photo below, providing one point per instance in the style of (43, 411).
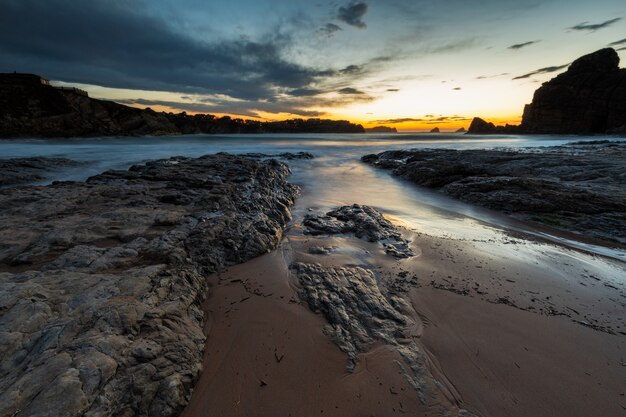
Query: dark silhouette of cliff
(590, 97)
(29, 106)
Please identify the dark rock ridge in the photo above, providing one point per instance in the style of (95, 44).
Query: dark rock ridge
(435, 130)
(579, 187)
(381, 129)
(101, 282)
(29, 107)
(365, 223)
(28, 170)
(590, 97)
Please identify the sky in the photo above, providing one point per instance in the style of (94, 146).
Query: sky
(410, 64)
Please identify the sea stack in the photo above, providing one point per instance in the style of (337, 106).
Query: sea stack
(435, 130)
(590, 97)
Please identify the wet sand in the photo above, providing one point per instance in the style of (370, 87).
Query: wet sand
(505, 333)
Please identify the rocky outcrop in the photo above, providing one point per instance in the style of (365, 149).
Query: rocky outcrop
(365, 223)
(482, 127)
(590, 97)
(435, 130)
(28, 170)
(101, 282)
(460, 130)
(381, 129)
(32, 108)
(579, 187)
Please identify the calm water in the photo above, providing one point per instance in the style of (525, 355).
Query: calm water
(335, 177)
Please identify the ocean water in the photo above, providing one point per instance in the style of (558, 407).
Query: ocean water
(335, 177)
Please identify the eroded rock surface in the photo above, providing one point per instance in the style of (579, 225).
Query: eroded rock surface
(580, 187)
(27, 170)
(101, 281)
(365, 223)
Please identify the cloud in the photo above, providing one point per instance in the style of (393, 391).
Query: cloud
(457, 88)
(484, 77)
(330, 29)
(592, 27)
(618, 43)
(119, 44)
(545, 70)
(428, 119)
(353, 14)
(522, 45)
(350, 90)
(393, 90)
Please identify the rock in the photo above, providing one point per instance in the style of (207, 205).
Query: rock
(578, 187)
(590, 97)
(482, 127)
(435, 130)
(381, 129)
(101, 282)
(27, 170)
(363, 313)
(461, 130)
(365, 223)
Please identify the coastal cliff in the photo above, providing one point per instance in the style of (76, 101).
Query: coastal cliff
(590, 97)
(31, 107)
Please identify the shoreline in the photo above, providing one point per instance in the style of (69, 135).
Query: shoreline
(527, 361)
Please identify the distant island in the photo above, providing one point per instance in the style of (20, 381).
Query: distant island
(381, 129)
(588, 98)
(30, 106)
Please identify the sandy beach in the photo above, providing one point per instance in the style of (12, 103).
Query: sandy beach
(503, 335)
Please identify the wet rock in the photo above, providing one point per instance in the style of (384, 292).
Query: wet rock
(321, 250)
(362, 313)
(101, 282)
(578, 187)
(365, 223)
(284, 155)
(27, 170)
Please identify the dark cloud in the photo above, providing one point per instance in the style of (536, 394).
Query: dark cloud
(522, 45)
(592, 27)
(623, 48)
(350, 90)
(330, 29)
(618, 43)
(484, 77)
(117, 44)
(353, 14)
(545, 70)
(457, 88)
(393, 90)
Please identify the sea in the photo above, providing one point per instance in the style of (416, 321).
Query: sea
(336, 176)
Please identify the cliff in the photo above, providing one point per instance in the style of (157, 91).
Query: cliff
(31, 107)
(590, 97)
(381, 129)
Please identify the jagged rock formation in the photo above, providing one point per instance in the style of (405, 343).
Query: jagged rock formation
(101, 282)
(435, 130)
(590, 97)
(365, 223)
(31, 107)
(461, 130)
(579, 187)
